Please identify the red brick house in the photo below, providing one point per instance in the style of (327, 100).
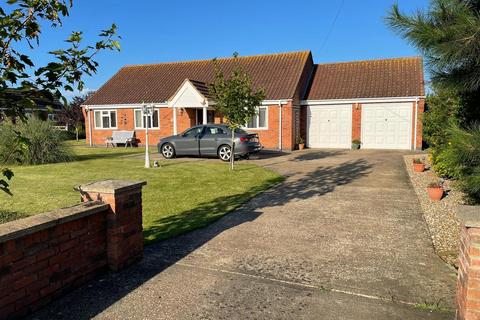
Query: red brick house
(379, 102)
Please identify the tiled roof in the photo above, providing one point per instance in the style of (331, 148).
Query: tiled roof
(202, 87)
(401, 77)
(279, 74)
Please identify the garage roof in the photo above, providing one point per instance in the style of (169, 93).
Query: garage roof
(279, 74)
(400, 77)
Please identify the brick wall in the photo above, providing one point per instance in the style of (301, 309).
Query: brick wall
(186, 118)
(43, 256)
(356, 121)
(468, 278)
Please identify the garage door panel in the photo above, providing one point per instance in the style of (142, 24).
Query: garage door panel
(387, 126)
(329, 126)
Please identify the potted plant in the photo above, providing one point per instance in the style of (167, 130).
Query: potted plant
(301, 144)
(356, 144)
(435, 190)
(418, 165)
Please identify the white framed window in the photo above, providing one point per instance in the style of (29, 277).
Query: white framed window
(105, 119)
(260, 120)
(152, 120)
(52, 117)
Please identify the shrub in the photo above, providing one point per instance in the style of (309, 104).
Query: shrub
(461, 157)
(45, 143)
(443, 108)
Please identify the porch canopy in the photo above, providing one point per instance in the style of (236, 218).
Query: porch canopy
(190, 94)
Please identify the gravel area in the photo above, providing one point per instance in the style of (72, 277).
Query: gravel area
(439, 215)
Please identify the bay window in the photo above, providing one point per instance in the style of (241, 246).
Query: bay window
(105, 119)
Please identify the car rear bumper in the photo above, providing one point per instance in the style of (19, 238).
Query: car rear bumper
(245, 149)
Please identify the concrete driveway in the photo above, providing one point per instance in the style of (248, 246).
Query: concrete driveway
(342, 238)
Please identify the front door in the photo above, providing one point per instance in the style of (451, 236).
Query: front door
(210, 116)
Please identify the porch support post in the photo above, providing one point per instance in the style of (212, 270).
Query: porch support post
(174, 120)
(204, 115)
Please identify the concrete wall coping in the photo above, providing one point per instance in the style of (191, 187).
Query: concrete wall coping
(112, 186)
(22, 227)
(469, 215)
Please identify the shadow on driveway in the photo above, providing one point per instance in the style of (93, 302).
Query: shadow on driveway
(102, 293)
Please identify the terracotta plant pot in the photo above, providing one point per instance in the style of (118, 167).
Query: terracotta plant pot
(435, 194)
(419, 167)
(301, 146)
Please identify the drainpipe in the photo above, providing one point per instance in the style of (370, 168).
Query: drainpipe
(89, 125)
(280, 133)
(416, 122)
(279, 125)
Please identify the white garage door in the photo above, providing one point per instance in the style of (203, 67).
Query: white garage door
(387, 126)
(329, 126)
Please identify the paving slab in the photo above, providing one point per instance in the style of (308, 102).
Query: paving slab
(342, 238)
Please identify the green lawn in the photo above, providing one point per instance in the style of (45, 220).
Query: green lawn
(180, 196)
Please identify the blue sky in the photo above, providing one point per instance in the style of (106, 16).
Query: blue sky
(160, 31)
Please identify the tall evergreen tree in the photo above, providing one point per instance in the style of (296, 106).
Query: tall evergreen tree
(448, 34)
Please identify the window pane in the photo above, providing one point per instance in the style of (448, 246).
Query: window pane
(145, 121)
(252, 123)
(98, 119)
(138, 119)
(105, 123)
(155, 119)
(113, 118)
(262, 117)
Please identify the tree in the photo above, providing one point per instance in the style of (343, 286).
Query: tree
(21, 81)
(71, 114)
(235, 99)
(447, 34)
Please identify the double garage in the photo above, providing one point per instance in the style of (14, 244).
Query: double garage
(378, 125)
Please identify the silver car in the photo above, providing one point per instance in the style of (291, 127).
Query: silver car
(209, 140)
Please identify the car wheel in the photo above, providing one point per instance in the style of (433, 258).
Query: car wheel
(224, 152)
(168, 151)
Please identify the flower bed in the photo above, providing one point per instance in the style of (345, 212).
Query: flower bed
(439, 215)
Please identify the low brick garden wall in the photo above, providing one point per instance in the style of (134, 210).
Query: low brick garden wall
(43, 256)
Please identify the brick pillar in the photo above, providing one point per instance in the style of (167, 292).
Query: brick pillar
(468, 281)
(124, 219)
(356, 121)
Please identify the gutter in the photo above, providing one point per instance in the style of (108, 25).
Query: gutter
(360, 100)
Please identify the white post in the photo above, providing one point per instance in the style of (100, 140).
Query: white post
(89, 126)
(174, 120)
(204, 115)
(146, 116)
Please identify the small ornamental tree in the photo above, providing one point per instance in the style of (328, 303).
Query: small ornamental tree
(235, 98)
(71, 114)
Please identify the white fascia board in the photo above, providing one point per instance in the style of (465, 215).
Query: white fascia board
(365, 100)
(123, 106)
(275, 102)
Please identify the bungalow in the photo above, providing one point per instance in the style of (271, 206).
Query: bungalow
(379, 102)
